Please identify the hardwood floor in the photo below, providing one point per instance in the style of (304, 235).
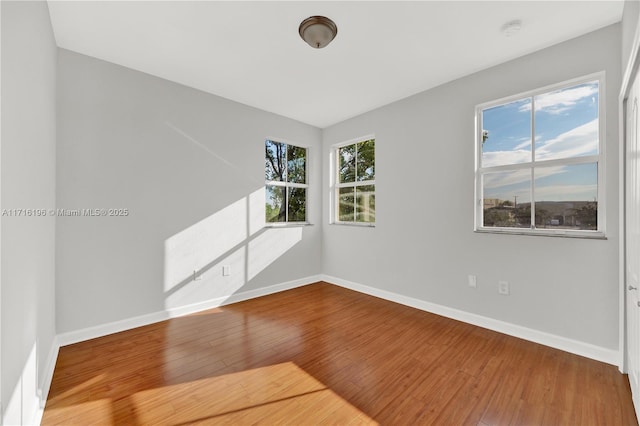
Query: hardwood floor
(321, 354)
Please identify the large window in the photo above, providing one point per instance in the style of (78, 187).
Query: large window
(355, 188)
(539, 165)
(285, 172)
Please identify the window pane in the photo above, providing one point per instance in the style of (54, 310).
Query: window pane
(366, 203)
(296, 164)
(297, 204)
(567, 122)
(366, 160)
(346, 204)
(507, 199)
(566, 197)
(275, 161)
(506, 134)
(347, 163)
(275, 204)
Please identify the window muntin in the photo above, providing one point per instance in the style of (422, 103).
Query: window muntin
(553, 185)
(355, 182)
(285, 182)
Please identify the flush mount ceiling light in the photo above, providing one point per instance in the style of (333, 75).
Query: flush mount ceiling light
(318, 31)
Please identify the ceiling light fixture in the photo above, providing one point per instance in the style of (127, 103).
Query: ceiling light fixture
(318, 31)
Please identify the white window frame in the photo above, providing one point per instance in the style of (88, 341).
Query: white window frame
(532, 165)
(336, 185)
(287, 185)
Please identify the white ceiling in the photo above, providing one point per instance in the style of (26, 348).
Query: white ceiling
(250, 52)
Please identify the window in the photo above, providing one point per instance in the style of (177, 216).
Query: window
(285, 172)
(355, 188)
(539, 164)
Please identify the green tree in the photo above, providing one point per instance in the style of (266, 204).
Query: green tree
(588, 216)
(356, 163)
(285, 163)
(497, 217)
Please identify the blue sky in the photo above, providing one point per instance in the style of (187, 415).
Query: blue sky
(566, 125)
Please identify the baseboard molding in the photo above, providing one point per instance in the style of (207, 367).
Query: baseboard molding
(568, 345)
(558, 342)
(76, 336)
(47, 377)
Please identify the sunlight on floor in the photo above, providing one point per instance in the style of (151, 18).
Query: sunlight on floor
(275, 394)
(281, 393)
(97, 411)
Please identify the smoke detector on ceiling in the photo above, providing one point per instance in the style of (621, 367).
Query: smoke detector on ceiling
(511, 28)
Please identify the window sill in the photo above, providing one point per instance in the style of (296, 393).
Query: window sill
(588, 235)
(357, 224)
(287, 225)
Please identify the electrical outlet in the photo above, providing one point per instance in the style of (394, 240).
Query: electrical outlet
(503, 287)
(226, 270)
(473, 281)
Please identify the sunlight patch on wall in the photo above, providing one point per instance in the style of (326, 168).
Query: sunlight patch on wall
(211, 284)
(256, 211)
(197, 246)
(215, 257)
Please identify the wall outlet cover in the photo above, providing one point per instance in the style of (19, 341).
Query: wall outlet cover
(503, 287)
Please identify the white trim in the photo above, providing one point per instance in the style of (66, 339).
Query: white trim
(286, 184)
(47, 376)
(76, 336)
(588, 350)
(629, 73)
(533, 164)
(335, 184)
(599, 75)
(353, 141)
(573, 346)
(288, 142)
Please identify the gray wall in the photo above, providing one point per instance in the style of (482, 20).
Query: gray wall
(189, 167)
(423, 244)
(28, 181)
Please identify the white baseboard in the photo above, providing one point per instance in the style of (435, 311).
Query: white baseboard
(568, 345)
(587, 350)
(47, 377)
(76, 336)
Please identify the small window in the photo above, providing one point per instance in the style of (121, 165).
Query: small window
(539, 166)
(285, 170)
(355, 187)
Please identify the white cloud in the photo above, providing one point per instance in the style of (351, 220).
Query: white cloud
(499, 158)
(579, 141)
(525, 144)
(582, 140)
(497, 181)
(562, 100)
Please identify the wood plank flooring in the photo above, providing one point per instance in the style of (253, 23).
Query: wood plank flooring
(321, 354)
